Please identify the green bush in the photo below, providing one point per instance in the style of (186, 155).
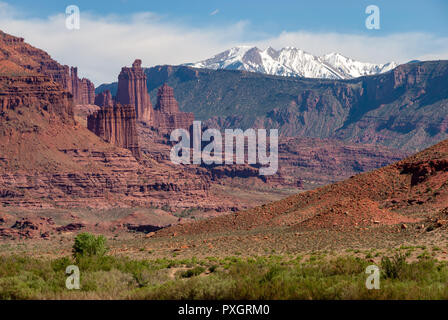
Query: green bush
(395, 267)
(192, 272)
(88, 245)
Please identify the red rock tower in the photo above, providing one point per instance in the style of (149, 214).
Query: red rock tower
(104, 99)
(83, 90)
(167, 116)
(166, 102)
(116, 124)
(132, 90)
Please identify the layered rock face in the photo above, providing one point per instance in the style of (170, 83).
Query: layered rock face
(400, 193)
(47, 159)
(19, 57)
(105, 179)
(132, 90)
(83, 89)
(314, 162)
(37, 92)
(166, 103)
(166, 112)
(116, 125)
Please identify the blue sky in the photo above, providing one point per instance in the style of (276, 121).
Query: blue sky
(267, 16)
(113, 33)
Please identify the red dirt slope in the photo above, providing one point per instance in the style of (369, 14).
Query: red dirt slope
(402, 192)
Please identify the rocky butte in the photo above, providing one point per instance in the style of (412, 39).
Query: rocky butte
(104, 99)
(166, 112)
(132, 90)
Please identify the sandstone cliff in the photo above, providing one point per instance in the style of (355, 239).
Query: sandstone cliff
(132, 90)
(116, 125)
(36, 92)
(166, 102)
(47, 159)
(83, 89)
(18, 56)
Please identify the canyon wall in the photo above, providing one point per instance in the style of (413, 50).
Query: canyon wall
(116, 125)
(18, 57)
(18, 93)
(48, 160)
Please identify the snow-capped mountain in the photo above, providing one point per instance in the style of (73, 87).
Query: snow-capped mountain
(293, 62)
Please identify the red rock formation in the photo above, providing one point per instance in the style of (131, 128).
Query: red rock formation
(166, 112)
(116, 125)
(47, 159)
(83, 90)
(27, 59)
(166, 102)
(132, 90)
(104, 99)
(37, 92)
(106, 179)
(29, 228)
(400, 193)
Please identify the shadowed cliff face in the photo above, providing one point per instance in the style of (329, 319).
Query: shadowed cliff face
(83, 90)
(406, 108)
(116, 125)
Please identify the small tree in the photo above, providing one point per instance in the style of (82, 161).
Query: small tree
(87, 245)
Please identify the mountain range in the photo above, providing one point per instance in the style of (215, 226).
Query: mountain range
(56, 150)
(405, 109)
(291, 62)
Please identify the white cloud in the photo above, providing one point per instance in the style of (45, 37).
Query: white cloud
(106, 43)
(214, 12)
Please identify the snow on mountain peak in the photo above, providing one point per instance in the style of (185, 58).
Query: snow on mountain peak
(293, 62)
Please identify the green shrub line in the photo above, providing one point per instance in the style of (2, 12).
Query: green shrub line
(257, 277)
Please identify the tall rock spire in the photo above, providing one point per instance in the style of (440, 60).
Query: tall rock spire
(166, 102)
(132, 90)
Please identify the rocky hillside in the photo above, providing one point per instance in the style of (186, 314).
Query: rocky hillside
(411, 190)
(406, 108)
(48, 159)
(18, 57)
